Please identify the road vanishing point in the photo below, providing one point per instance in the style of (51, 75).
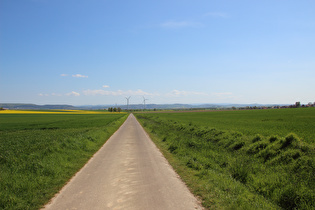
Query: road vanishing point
(128, 172)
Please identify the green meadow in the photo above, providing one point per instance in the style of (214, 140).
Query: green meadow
(262, 159)
(39, 153)
(251, 122)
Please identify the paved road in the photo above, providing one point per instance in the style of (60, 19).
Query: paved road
(128, 172)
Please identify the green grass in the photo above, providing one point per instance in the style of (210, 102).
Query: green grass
(39, 153)
(251, 122)
(13, 122)
(233, 165)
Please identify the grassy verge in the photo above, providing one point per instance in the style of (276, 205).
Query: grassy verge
(228, 169)
(40, 153)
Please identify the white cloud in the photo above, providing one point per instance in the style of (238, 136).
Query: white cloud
(180, 24)
(185, 93)
(79, 76)
(73, 93)
(56, 94)
(51, 94)
(117, 93)
(105, 86)
(216, 14)
(43, 94)
(64, 75)
(223, 94)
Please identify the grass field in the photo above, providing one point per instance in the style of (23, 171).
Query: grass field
(56, 111)
(261, 159)
(251, 122)
(40, 152)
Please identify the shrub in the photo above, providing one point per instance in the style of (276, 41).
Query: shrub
(237, 134)
(273, 139)
(227, 141)
(289, 198)
(257, 138)
(172, 148)
(256, 147)
(268, 153)
(240, 171)
(237, 145)
(194, 164)
(192, 144)
(286, 157)
(307, 148)
(291, 140)
(201, 132)
(305, 165)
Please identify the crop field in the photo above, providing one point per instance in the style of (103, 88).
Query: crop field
(251, 122)
(41, 150)
(53, 112)
(249, 159)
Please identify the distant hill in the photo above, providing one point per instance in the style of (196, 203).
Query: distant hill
(176, 106)
(151, 106)
(34, 106)
(132, 106)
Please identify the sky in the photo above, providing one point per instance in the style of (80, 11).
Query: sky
(93, 52)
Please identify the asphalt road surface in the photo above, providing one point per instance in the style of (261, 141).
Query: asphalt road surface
(128, 172)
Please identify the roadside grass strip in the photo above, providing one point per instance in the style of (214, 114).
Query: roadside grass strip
(39, 153)
(230, 170)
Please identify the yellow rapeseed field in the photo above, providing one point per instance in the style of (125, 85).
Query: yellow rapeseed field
(54, 112)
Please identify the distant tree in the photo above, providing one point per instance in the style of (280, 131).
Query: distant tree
(298, 104)
(110, 109)
(115, 109)
(119, 109)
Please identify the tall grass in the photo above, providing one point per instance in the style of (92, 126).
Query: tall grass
(40, 153)
(229, 169)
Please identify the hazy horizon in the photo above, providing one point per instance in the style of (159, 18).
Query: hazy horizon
(150, 104)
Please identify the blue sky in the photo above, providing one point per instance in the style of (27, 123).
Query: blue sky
(82, 52)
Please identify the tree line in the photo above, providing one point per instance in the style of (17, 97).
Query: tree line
(111, 109)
